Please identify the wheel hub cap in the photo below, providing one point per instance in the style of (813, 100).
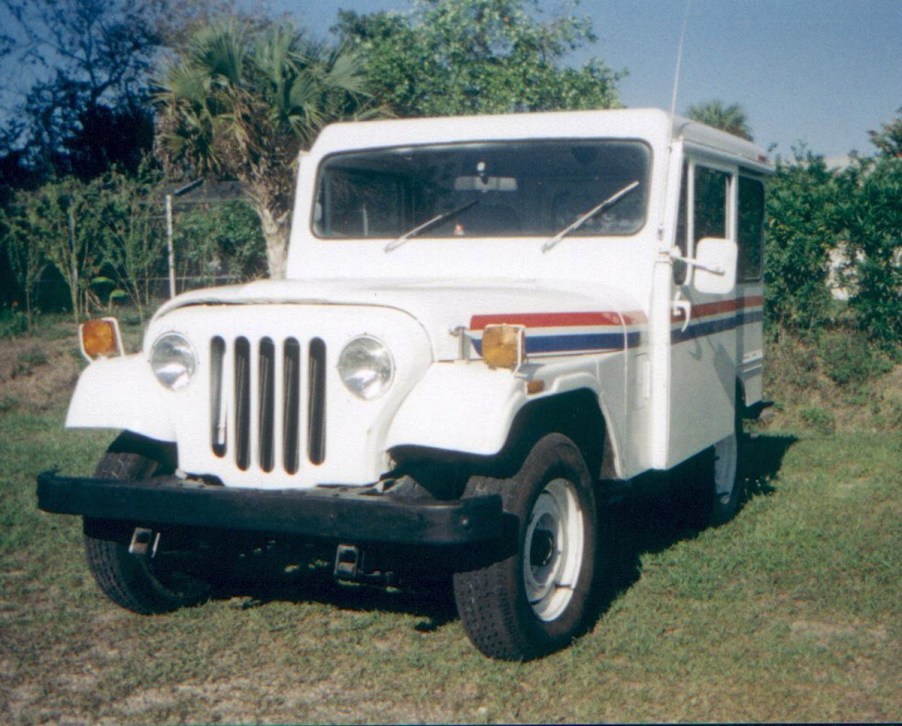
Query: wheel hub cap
(553, 549)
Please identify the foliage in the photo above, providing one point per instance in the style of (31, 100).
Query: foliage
(86, 109)
(870, 212)
(240, 102)
(801, 230)
(889, 139)
(22, 223)
(477, 56)
(731, 119)
(132, 245)
(12, 322)
(849, 359)
(58, 224)
(221, 241)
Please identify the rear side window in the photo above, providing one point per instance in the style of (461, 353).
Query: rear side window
(751, 228)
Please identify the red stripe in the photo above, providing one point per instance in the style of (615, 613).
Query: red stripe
(723, 306)
(556, 320)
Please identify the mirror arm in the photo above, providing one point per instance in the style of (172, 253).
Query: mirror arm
(675, 255)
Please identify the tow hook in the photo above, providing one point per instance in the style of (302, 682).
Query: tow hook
(350, 566)
(142, 541)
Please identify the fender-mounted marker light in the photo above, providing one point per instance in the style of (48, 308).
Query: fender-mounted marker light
(535, 386)
(504, 346)
(100, 338)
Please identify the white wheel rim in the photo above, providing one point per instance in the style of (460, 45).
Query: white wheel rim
(553, 549)
(725, 456)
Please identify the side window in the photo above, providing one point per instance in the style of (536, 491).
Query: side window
(710, 208)
(751, 228)
(680, 270)
(709, 202)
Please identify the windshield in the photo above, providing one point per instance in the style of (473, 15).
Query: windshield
(489, 189)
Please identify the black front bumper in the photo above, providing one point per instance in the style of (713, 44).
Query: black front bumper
(343, 513)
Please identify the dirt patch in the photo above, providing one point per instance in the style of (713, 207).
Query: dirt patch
(37, 374)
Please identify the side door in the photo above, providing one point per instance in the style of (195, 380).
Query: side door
(703, 341)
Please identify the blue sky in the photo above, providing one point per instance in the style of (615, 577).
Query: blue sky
(819, 71)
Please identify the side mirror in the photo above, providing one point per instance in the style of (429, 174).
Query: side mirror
(715, 266)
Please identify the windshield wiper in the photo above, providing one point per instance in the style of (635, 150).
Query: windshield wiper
(580, 221)
(437, 219)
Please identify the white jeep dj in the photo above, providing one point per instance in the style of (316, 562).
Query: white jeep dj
(490, 325)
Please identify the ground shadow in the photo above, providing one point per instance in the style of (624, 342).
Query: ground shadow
(662, 510)
(652, 518)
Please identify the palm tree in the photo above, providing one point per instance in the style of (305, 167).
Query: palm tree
(241, 102)
(731, 119)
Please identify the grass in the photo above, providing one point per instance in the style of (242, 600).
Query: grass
(789, 613)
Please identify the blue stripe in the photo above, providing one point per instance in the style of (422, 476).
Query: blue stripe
(700, 329)
(580, 343)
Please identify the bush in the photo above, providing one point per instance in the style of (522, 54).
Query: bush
(850, 358)
(822, 421)
(12, 322)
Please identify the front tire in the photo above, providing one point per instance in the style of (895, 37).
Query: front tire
(149, 583)
(535, 599)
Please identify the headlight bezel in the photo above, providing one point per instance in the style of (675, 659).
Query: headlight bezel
(361, 354)
(173, 360)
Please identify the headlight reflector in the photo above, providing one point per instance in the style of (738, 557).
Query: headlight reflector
(173, 361)
(366, 367)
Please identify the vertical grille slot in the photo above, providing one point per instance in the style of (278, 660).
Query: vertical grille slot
(316, 404)
(264, 407)
(291, 405)
(218, 406)
(242, 403)
(266, 385)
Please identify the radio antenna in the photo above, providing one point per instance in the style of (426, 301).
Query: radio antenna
(673, 100)
(679, 63)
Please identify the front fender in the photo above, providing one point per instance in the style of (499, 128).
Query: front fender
(459, 407)
(120, 393)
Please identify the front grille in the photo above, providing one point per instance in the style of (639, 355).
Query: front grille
(268, 402)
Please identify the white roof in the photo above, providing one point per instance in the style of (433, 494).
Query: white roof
(652, 125)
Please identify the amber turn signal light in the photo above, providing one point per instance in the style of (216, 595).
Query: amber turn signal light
(100, 338)
(504, 346)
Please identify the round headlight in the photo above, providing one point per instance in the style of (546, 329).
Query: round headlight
(173, 361)
(366, 367)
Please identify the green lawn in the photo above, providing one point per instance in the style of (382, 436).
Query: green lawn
(791, 612)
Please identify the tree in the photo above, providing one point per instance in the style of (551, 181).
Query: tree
(889, 139)
(477, 56)
(76, 88)
(21, 225)
(86, 109)
(801, 231)
(132, 245)
(240, 102)
(731, 119)
(870, 216)
(60, 226)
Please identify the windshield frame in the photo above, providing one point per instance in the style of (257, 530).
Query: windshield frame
(473, 145)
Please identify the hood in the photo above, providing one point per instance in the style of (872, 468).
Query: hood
(441, 306)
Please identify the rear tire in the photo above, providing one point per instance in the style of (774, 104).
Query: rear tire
(150, 583)
(725, 485)
(534, 600)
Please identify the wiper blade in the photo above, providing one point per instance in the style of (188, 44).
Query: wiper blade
(580, 221)
(437, 219)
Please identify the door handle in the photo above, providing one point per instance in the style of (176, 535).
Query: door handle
(684, 307)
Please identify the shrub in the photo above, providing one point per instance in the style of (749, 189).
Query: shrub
(822, 421)
(850, 358)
